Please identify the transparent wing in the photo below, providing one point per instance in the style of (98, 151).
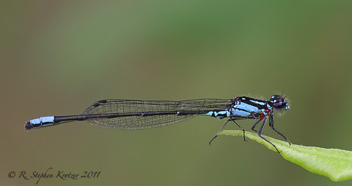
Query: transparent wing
(139, 114)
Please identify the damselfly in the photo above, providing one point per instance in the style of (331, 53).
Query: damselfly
(120, 114)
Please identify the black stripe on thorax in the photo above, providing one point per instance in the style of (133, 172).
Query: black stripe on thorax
(261, 104)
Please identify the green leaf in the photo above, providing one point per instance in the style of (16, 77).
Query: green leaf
(333, 163)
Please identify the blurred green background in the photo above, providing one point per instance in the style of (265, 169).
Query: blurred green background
(58, 57)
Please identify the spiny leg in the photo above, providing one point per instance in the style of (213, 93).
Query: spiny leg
(244, 133)
(219, 131)
(255, 124)
(260, 134)
(271, 124)
(231, 119)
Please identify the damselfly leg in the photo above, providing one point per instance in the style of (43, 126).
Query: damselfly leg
(231, 119)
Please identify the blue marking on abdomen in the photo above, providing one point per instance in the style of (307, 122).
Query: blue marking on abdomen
(218, 114)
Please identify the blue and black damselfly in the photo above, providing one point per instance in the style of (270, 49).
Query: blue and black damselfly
(121, 114)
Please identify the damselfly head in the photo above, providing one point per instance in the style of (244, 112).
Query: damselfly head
(279, 103)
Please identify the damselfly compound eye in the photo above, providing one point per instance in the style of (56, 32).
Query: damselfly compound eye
(279, 103)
